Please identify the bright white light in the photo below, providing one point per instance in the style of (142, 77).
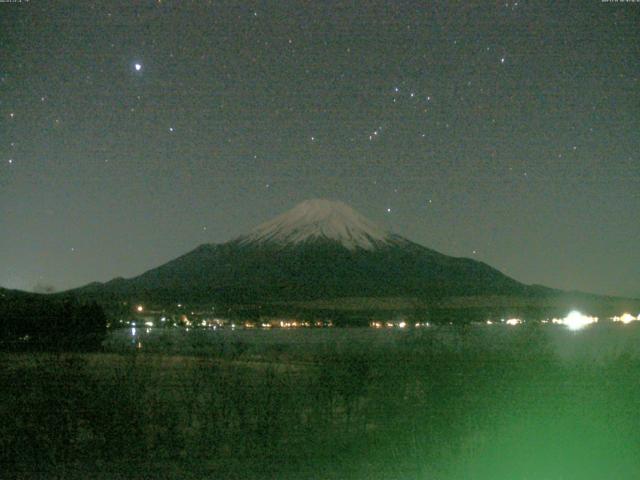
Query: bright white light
(138, 67)
(625, 318)
(513, 321)
(575, 320)
(402, 324)
(133, 331)
(139, 308)
(149, 324)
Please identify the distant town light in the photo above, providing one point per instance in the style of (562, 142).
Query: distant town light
(576, 320)
(513, 321)
(625, 318)
(140, 308)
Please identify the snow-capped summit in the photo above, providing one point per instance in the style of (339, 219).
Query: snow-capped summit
(320, 219)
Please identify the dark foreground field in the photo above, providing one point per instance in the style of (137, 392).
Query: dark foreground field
(475, 403)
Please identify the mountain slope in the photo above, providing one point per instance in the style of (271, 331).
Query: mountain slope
(319, 249)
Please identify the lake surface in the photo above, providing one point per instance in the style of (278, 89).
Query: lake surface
(594, 342)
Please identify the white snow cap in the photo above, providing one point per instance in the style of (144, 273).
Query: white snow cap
(320, 219)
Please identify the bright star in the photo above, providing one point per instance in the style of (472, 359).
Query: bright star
(138, 67)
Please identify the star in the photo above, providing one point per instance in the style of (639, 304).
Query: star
(137, 66)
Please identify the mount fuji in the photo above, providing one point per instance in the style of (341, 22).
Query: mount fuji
(320, 253)
(318, 249)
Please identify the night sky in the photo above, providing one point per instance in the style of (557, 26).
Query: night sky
(131, 132)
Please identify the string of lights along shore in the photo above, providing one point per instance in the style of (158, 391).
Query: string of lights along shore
(506, 132)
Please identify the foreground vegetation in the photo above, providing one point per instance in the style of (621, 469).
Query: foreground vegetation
(442, 404)
(32, 322)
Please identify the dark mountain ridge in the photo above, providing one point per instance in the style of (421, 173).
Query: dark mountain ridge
(325, 251)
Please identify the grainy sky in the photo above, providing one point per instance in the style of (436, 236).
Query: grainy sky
(131, 132)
